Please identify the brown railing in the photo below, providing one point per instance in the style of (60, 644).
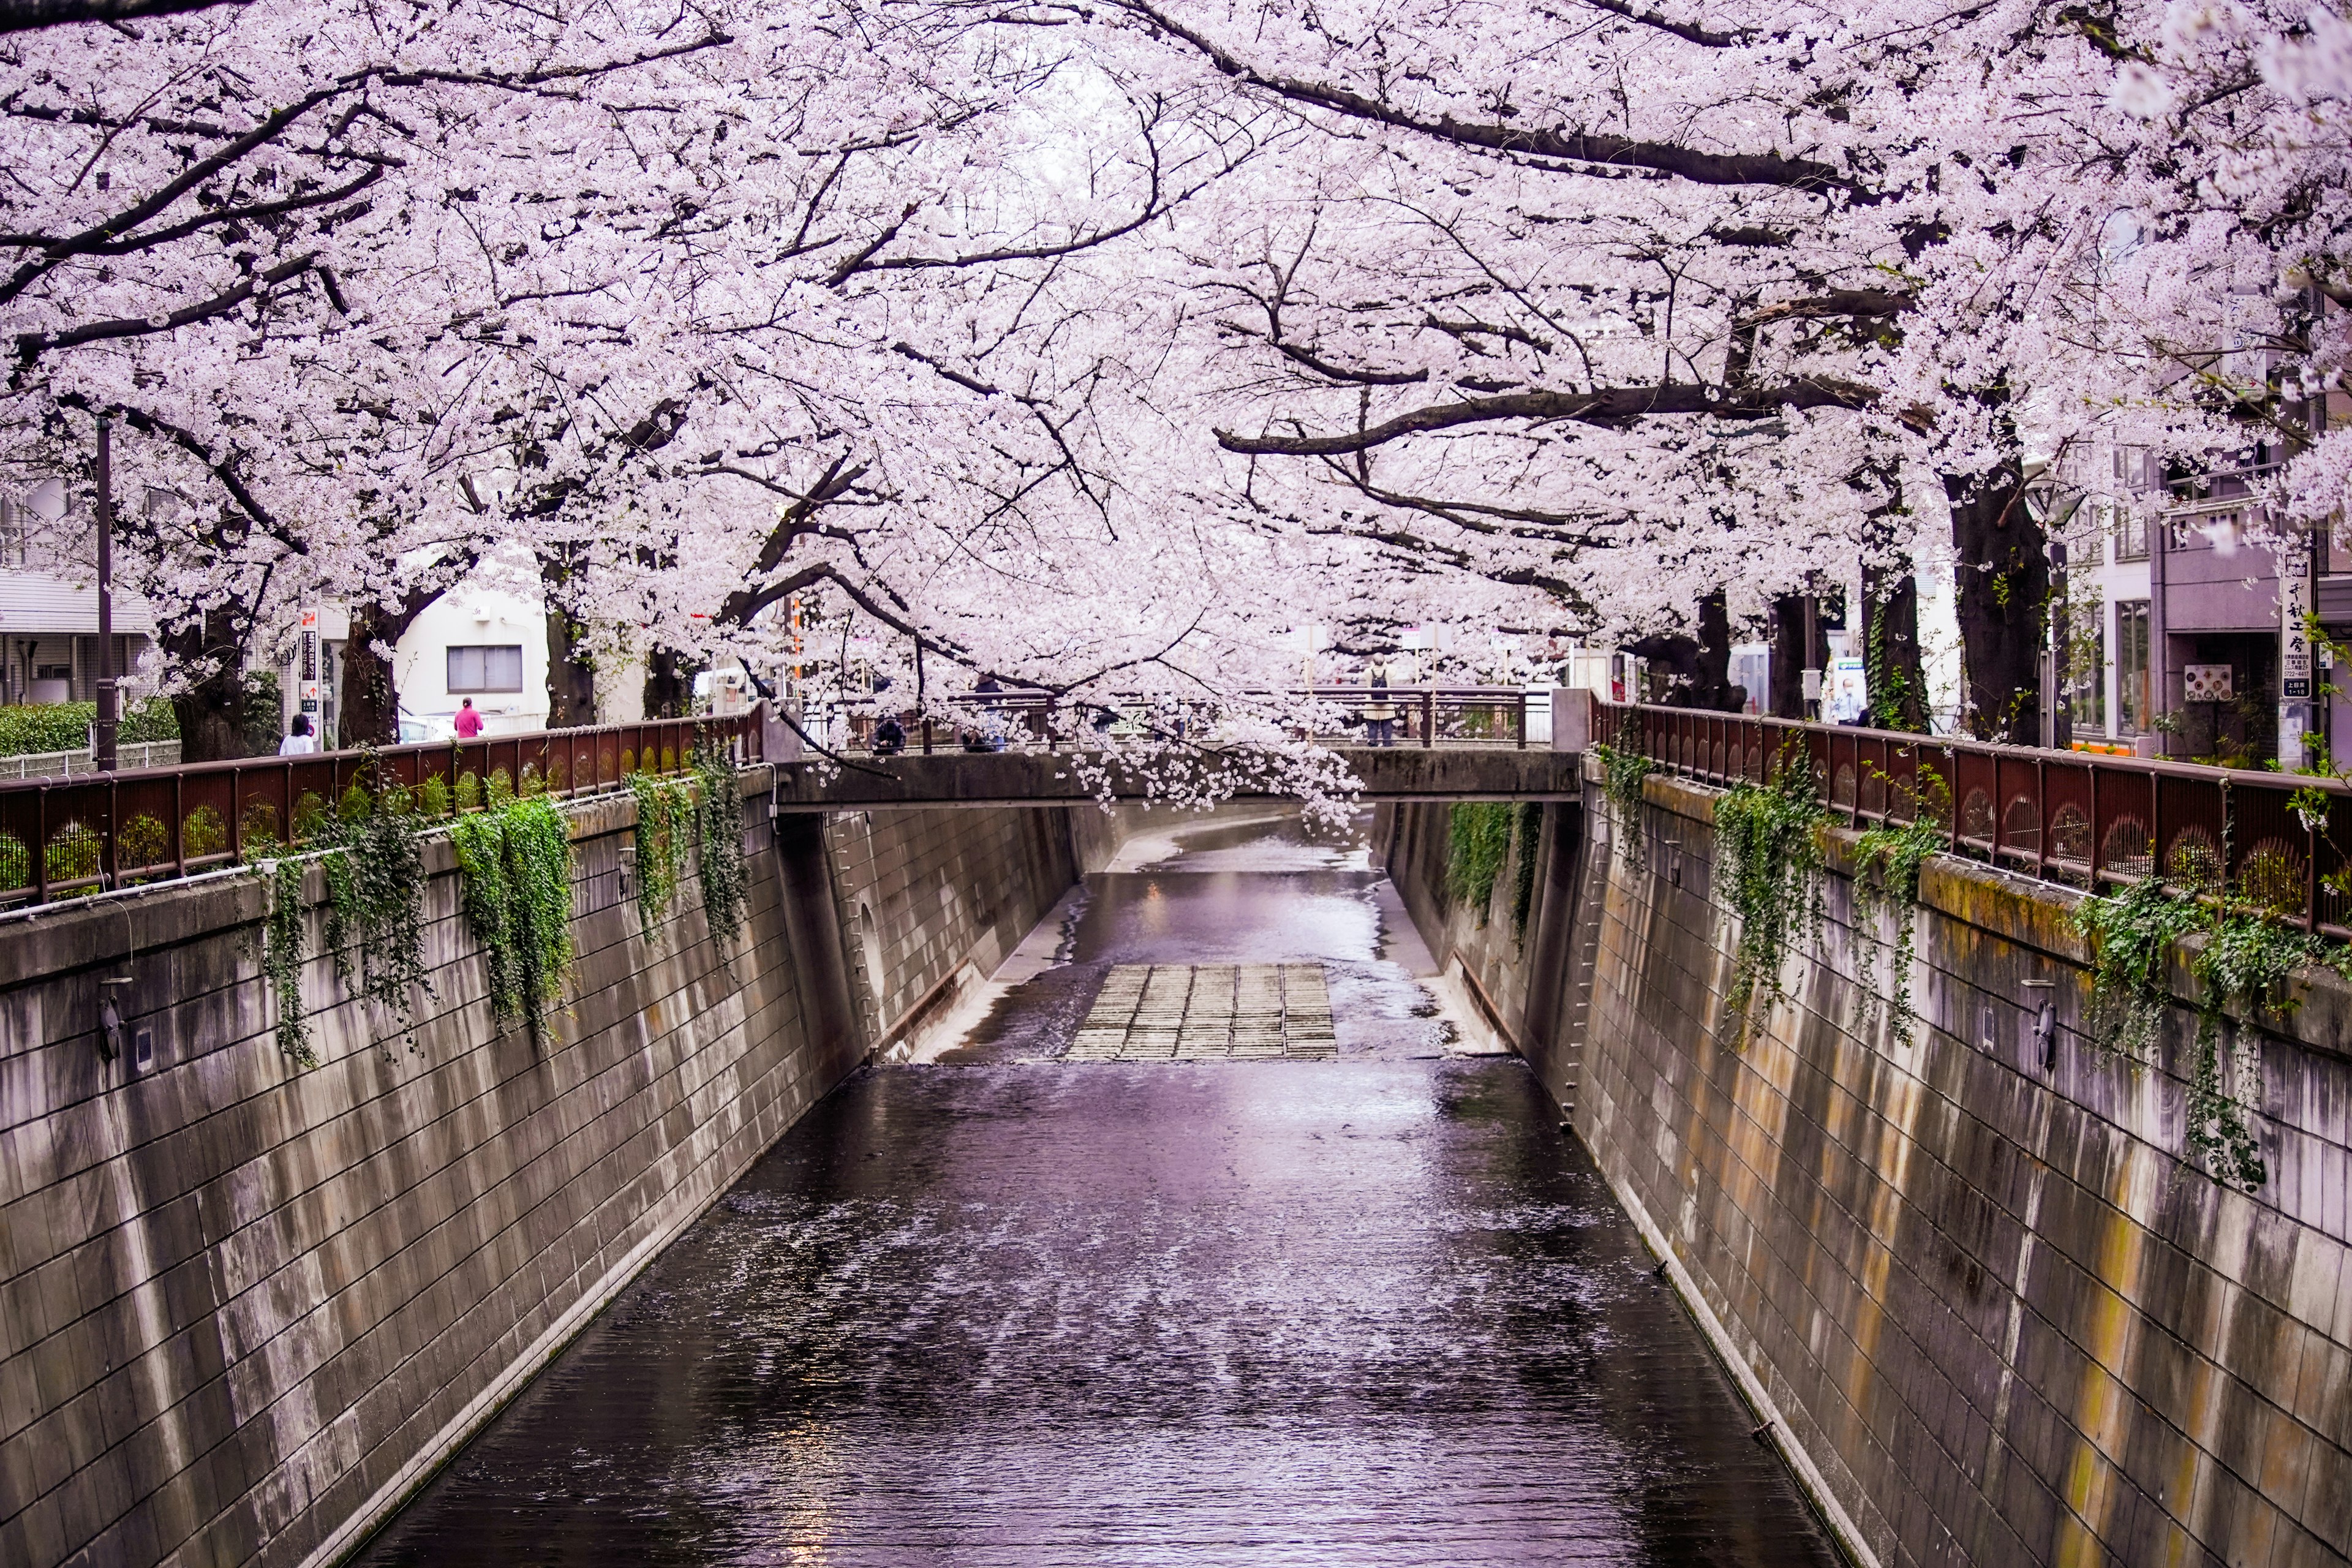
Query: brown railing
(1420, 716)
(2067, 817)
(67, 837)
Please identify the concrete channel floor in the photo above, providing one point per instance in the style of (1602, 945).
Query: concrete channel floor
(1367, 1309)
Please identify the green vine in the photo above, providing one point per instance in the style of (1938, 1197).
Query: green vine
(1887, 861)
(2132, 934)
(282, 959)
(2250, 955)
(1477, 842)
(1526, 834)
(514, 863)
(719, 837)
(663, 809)
(376, 904)
(1622, 769)
(374, 912)
(1768, 866)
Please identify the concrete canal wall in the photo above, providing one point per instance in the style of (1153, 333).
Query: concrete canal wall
(1990, 1311)
(1514, 966)
(934, 901)
(244, 1309)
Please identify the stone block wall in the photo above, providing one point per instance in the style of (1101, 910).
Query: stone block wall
(1524, 972)
(924, 893)
(244, 1310)
(1991, 1311)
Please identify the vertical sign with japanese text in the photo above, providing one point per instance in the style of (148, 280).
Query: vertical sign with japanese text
(2295, 649)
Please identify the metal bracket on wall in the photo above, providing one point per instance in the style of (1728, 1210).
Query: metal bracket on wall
(2041, 1026)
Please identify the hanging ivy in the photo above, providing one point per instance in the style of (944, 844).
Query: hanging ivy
(719, 839)
(2132, 934)
(281, 958)
(1622, 769)
(663, 809)
(376, 905)
(1526, 834)
(2249, 957)
(1768, 866)
(374, 912)
(1477, 842)
(1887, 862)
(515, 870)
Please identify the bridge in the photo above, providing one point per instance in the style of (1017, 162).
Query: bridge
(1055, 778)
(136, 827)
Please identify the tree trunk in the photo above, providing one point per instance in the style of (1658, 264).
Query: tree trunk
(571, 681)
(1890, 640)
(669, 684)
(211, 711)
(369, 698)
(1712, 689)
(2003, 580)
(1790, 659)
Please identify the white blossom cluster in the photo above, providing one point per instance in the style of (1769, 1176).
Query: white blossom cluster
(1101, 347)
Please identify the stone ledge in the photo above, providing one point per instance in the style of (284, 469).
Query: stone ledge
(2035, 914)
(50, 940)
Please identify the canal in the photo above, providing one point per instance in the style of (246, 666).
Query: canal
(1211, 1241)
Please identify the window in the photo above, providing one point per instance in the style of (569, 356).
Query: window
(495, 667)
(2133, 706)
(2086, 682)
(2131, 535)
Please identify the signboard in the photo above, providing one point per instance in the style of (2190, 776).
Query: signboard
(310, 622)
(2295, 612)
(2205, 683)
(309, 691)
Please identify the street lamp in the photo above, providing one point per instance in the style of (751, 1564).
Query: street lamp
(102, 730)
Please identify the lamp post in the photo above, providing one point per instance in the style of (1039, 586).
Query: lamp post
(102, 730)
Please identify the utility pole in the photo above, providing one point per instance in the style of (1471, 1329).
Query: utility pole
(103, 732)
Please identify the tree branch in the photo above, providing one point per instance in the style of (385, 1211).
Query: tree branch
(1614, 406)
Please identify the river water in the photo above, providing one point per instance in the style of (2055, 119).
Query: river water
(1361, 1305)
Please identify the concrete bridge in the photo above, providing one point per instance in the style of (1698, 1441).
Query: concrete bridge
(1049, 778)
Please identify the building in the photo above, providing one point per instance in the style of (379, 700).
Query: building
(478, 640)
(49, 617)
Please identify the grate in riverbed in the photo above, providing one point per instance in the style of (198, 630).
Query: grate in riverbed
(1208, 1011)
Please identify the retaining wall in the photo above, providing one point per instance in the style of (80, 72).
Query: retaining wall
(1989, 1312)
(244, 1310)
(934, 901)
(1518, 972)
(1993, 1314)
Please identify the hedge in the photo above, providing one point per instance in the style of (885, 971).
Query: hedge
(36, 727)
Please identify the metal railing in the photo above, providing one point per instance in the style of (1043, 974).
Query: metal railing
(62, 839)
(1416, 715)
(2074, 818)
(73, 765)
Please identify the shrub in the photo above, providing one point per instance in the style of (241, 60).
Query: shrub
(142, 841)
(204, 833)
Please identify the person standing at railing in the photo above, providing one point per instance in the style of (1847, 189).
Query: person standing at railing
(468, 721)
(299, 741)
(1380, 713)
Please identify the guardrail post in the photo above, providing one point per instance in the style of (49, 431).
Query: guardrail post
(1523, 717)
(1428, 720)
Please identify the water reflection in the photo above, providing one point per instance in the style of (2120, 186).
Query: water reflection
(1357, 1311)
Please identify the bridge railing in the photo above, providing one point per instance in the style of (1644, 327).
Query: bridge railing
(64, 839)
(2076, 818)
(1418, 715)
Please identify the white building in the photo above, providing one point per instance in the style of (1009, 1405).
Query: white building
(478, 641)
